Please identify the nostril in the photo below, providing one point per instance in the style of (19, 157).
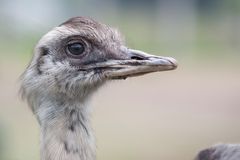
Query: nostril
(137, 57)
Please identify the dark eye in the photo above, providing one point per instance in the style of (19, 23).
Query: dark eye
(76, 49)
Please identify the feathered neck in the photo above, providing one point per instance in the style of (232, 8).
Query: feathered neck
(66, 133)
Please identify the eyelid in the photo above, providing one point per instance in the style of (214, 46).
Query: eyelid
(72, 41)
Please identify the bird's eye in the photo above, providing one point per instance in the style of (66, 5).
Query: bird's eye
(76, 49)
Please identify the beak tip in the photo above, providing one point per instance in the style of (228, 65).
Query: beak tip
(173, 62)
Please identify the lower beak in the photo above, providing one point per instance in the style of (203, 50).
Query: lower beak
(138, 63)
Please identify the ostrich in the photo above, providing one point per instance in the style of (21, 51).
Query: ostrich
(220, 152)
(69, 64)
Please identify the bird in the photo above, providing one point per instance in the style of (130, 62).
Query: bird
(69, 64)
(220, 152)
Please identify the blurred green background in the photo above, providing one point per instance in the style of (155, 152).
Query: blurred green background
(168, 115)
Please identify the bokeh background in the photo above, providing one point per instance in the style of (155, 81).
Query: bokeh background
(168, 115)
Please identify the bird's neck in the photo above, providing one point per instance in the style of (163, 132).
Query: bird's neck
(65, 132)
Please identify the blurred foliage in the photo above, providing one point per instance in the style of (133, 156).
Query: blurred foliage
(198, 28)
(3, 148)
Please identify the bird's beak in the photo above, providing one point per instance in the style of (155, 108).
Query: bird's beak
(137, 63)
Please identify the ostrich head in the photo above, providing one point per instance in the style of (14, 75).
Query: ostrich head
(69, 63)
(75, 58)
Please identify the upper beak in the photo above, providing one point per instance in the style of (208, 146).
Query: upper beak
(136, 63)
(140, 63)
